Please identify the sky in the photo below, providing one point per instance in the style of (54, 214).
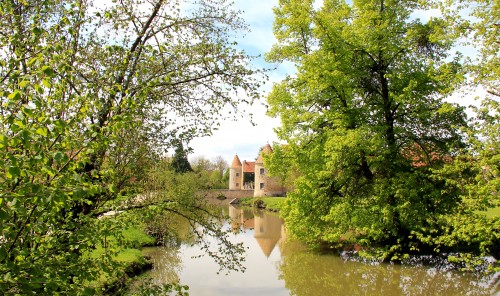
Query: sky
(244, 136)
(241, 137)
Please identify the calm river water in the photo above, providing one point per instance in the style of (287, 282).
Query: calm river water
(277, 267)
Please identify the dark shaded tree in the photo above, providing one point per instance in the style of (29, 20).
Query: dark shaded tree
(180, 162)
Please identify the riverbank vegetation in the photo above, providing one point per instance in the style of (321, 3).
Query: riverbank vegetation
(92, 96)
(273, 204)
(126, 251)
(379, 151)
(212, 172)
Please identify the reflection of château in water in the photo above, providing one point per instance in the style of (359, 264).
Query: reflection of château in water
(267, 232)
(267, 228)
(241, 218)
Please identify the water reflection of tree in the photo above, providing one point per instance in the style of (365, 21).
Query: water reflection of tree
(171, 230)
(306, 273)
(167, 264)
(176, 212)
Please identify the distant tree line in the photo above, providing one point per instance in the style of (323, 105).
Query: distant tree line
(212, 174)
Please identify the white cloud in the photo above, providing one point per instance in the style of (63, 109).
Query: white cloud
(239, 137)
(242, 137)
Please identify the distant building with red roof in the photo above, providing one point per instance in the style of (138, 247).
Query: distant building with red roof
(421, 156)
(252, 175)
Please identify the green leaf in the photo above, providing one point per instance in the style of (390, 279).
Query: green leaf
(24, 83)
(36, 188)
(32, 61)
(3, 214)
(13, 202)
(37, 30)
(58, 156)
(41, 131)
(38, 89)
(15, 95)
(112, 188)
(3, 141)
(48, 71)
(3, 252)
(49, 171)
(13, 172)
(46, 83)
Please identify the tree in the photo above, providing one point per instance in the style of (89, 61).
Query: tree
(180, 162)
(216, 180)
(220, 164)
(366, 122)
(210, 172)
(225, 178)
(476, 170)
(485, 31)
(201, 163)
(184, 196)
(280, 164)
(90, 97)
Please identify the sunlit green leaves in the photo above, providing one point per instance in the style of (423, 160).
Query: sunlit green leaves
(85, 115)
(368, 130)
(47, 70)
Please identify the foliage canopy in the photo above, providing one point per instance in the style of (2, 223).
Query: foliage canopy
(91, 95)
(370, 131)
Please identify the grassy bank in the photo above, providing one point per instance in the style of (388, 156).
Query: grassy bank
(273, 204)
(129, 257)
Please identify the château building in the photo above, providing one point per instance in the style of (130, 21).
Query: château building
(253, 175)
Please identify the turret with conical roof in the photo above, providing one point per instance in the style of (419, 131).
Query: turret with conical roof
(265, 150)
(236, 162)
(262, 182)
(235, 174)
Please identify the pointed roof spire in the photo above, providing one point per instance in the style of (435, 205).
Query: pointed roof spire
(265, 150)
(267, 244)
(236, 162)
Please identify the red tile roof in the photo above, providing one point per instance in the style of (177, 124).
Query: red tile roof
(419, 158)
(248, 166)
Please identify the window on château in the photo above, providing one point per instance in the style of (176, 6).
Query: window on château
(262, 171)
(261, 185)
(237, 174)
